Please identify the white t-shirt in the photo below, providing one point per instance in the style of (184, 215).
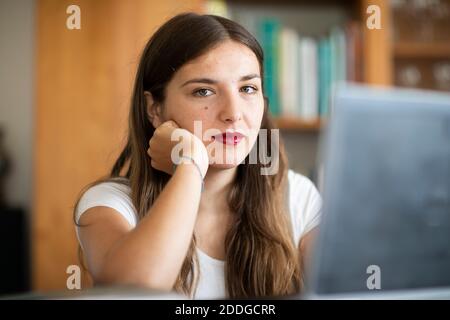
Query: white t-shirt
(305, 206)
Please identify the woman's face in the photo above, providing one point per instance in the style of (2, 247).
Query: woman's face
(217, 93)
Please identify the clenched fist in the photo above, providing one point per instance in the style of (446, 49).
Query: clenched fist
(169, 141)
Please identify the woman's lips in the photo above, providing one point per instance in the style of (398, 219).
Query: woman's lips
(229, 138)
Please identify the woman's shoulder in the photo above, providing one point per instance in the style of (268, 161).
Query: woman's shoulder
(114, 188)
(299, 182)
(305, 203)
(114, 193)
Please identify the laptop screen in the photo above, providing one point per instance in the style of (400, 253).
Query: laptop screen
(386, 216)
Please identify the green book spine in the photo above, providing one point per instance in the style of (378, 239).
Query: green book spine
(269, 35)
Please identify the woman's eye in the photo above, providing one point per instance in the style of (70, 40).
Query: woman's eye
(249, 89)
(203, 92)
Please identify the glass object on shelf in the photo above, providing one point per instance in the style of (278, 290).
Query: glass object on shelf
(410, 76)
(431, 73)
(421, 20)
(442, 21)
(441, 74)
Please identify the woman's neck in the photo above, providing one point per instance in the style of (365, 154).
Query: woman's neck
(218, 183)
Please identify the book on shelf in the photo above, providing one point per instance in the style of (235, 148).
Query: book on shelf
(268, 33)
(288, 79)
(308, 104)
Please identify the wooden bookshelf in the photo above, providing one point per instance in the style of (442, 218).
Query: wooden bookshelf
(421, 50)
(293, 123)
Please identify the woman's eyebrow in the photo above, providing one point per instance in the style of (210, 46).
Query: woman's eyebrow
(249, 77)
(212, 81)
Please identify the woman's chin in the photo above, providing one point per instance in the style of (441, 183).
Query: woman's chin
(224, 166)
(227, 160)
(227, 163)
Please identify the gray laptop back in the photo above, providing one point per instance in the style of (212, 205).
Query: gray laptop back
(386, 193)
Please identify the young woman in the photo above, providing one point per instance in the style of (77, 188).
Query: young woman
(211, 226)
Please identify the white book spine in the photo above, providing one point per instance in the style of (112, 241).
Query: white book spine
(288, 90)
(309, 109)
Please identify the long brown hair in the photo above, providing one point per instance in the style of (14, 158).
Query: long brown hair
(261, 256)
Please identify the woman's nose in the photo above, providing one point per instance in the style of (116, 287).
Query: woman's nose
(231, 111)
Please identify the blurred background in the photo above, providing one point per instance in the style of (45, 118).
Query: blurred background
(65, 96)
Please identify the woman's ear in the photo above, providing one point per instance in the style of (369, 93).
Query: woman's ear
(153, 110)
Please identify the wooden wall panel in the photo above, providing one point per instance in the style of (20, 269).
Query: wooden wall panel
(377, 52)
(83, 84)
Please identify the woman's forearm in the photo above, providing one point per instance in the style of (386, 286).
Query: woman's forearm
(152, 254)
